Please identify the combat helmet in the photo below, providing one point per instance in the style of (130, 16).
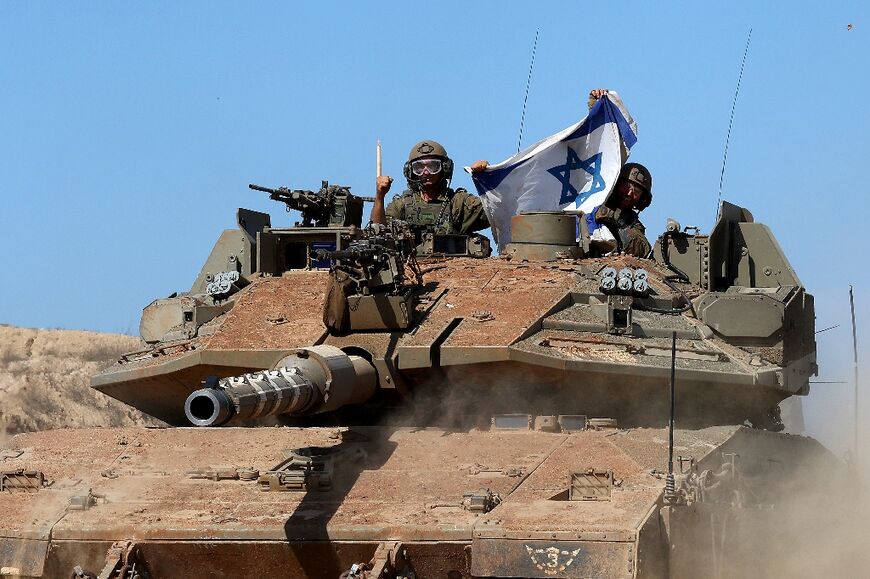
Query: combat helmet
(423, 150)
(640, 176)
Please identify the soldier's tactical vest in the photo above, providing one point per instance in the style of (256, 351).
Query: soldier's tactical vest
(435, 232)
(428, 217)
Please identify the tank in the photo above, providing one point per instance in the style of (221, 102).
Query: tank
(341, 402)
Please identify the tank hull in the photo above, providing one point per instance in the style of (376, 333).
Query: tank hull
(388, 486)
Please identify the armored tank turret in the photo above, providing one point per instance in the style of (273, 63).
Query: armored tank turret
(544, 330)
(429, 413)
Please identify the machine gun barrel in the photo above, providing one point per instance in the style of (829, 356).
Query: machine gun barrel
(310, 381)
(278, 193)
(263, 189)
(297, 198)
(355, 254)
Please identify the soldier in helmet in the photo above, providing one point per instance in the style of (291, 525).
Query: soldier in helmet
(631, 195)
(430, 205)
(619, 213)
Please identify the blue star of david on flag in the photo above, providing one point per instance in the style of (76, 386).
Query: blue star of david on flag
(592, 165)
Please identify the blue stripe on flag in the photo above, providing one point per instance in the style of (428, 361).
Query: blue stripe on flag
(489, 180)
(603, 112)
(591, 224)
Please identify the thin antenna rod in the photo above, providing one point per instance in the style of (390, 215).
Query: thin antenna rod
(855, 359)
(528, 85)
(670, 490)
(731, 121)
(378, 164)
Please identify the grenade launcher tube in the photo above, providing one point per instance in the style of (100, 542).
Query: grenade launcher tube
(309, 381)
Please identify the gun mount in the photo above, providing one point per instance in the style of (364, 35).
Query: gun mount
(370, 286)
(377, 262)
(331, 206)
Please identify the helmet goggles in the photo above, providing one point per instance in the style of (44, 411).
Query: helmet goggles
(431, 166)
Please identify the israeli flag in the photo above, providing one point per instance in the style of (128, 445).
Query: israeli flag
(574, 169)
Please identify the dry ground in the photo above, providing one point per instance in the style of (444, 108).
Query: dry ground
(45, 380)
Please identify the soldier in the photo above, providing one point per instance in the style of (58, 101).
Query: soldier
(631, 195)
(619, 213)
(430, 205)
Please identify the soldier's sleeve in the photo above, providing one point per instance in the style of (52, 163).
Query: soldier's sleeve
(468, 212)
(638, 245)
(396, 208)
(606, 215)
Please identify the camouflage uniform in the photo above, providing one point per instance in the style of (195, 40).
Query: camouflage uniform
(453, 212)
(625, 224)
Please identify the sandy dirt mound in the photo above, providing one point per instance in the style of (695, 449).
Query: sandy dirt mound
(45, 380)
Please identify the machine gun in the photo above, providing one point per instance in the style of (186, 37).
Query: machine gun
(332, 206)
(377, 262)
(369, 289)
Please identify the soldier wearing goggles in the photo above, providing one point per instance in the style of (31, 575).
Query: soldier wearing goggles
(430, 205)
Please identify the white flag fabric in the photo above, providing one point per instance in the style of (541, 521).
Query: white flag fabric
(574, 169)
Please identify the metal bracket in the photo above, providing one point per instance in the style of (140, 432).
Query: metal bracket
(85, 501)
(619, 314)
(683, 461)
(482, 501)
(123, 561)
(219, 473)
(23, 480)
(390, 561)
(299, 472)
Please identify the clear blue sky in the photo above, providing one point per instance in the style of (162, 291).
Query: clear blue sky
(129, 131)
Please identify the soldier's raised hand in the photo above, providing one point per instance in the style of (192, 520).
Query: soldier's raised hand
(595, 94)
(479, 166)
(383, 185)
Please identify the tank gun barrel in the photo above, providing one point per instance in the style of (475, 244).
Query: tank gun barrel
(310, 381)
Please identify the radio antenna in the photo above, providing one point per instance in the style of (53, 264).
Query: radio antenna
(528, 85)
(855, 456)
(670, 484)
(731, 121)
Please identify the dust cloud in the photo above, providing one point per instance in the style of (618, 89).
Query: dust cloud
(811, 521)
(819, 526)
(822, 520)
(45, 380)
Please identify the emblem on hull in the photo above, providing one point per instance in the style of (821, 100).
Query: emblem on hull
(552, 560)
